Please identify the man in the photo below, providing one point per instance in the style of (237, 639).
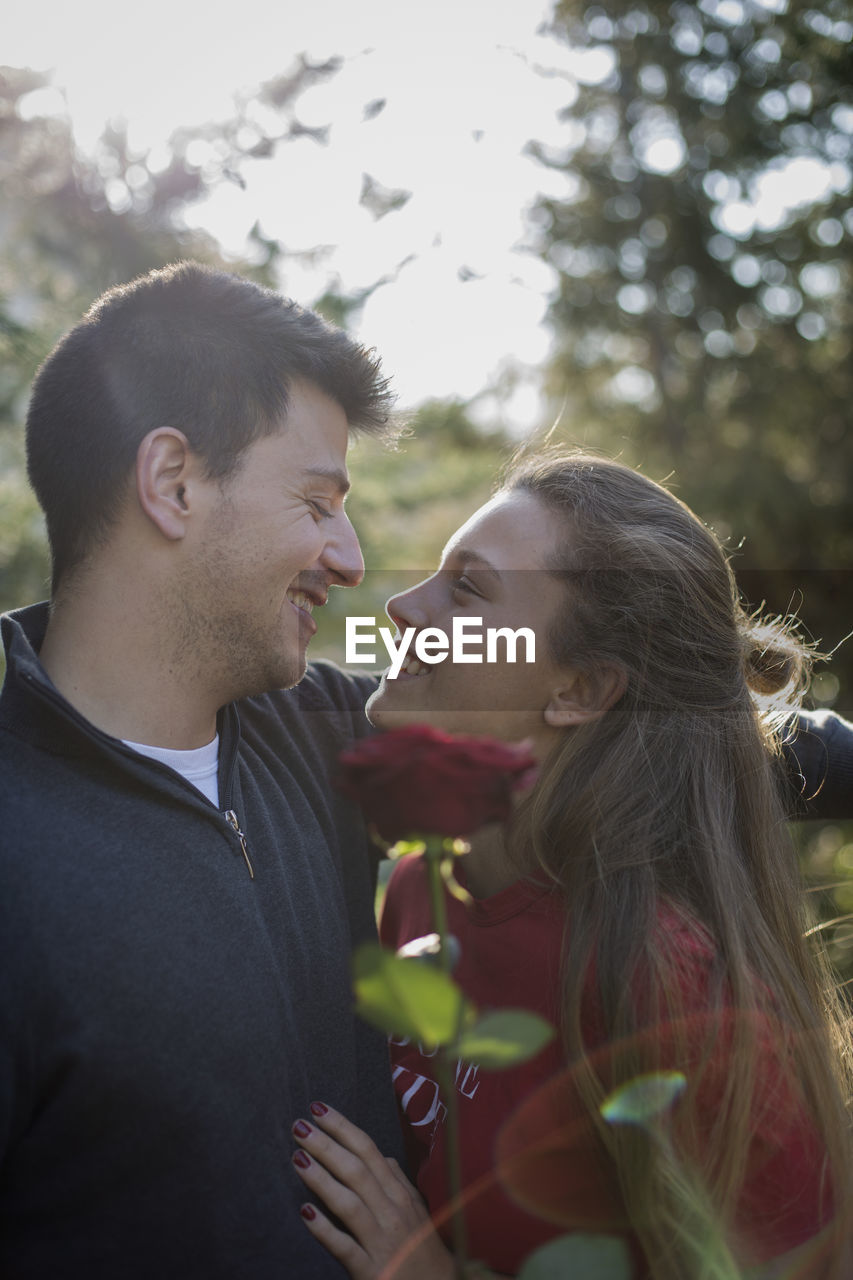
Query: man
(182, 887)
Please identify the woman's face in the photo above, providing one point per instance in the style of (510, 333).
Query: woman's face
(494, 569)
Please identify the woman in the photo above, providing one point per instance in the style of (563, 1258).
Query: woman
(644, 898)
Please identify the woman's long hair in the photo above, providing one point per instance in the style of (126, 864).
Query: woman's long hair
(671, 803)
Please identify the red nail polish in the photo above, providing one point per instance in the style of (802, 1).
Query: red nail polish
(301, 1129)
(300, 1159)
(308, 1212)
(319, 1109)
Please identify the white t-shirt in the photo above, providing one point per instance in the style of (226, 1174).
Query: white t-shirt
(199, 766)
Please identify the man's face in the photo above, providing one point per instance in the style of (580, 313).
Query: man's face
(272, 539)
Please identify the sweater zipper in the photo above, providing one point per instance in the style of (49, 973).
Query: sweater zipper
(231, 817)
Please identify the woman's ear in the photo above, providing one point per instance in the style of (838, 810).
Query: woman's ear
(163, 461)
(586, 696)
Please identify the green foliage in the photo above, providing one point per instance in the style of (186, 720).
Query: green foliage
(826, 856)
(504, 1038)
(404, 996)
(402, 848)
(644, 1100)
(698, 338)
(407, 998)
(590, 1257)
(23, 561)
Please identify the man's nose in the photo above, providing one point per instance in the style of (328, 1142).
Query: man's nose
(342, 556)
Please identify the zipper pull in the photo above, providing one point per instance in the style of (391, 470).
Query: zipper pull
(231, 817)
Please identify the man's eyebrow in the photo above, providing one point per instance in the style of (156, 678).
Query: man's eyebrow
(339, 478)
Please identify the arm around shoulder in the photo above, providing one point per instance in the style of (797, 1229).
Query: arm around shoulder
(819, 758)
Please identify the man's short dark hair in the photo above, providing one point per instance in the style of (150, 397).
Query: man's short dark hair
(189, 347)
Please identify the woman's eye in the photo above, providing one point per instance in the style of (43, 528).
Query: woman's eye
(464, 586)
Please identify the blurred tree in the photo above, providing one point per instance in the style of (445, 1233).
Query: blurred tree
(703, 310)
(73, 225)
(69, 228)
(703, 250)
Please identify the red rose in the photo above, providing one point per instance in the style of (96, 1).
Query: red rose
(418, 780)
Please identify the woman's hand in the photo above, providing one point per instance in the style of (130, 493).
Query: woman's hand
(391, 1235)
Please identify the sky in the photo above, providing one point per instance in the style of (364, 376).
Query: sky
(462, 312)
(462, 100)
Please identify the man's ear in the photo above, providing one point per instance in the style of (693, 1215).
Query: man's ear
(163, 462)
(585, 696)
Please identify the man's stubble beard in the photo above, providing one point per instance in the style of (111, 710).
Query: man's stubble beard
(238, 660)
(219, 644)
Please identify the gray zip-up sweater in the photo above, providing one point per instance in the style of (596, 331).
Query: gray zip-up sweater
(164, 1017)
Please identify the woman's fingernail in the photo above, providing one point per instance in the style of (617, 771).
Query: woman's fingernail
(301, 1129)
(300, 1158)
(308, 1212)
(319, 1109)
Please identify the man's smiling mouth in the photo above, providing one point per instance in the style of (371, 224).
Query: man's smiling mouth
(301, 599)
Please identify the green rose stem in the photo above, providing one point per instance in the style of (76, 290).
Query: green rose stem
(434, 852)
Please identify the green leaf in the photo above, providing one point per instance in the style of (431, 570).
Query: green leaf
(643, 1099)
(406, 998)
(504, 1038)
(586, 1257)
(454, 888)
(404, 847)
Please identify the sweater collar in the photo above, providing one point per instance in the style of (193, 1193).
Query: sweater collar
(23, 634)
(35, 709)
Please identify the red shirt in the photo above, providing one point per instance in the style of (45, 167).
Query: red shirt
(532, 1165)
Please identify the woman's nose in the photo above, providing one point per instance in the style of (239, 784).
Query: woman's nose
(409, 608)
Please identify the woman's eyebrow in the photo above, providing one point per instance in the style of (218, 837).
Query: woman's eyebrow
(469, 557)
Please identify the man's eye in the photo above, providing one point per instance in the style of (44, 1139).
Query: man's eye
(322, 511)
